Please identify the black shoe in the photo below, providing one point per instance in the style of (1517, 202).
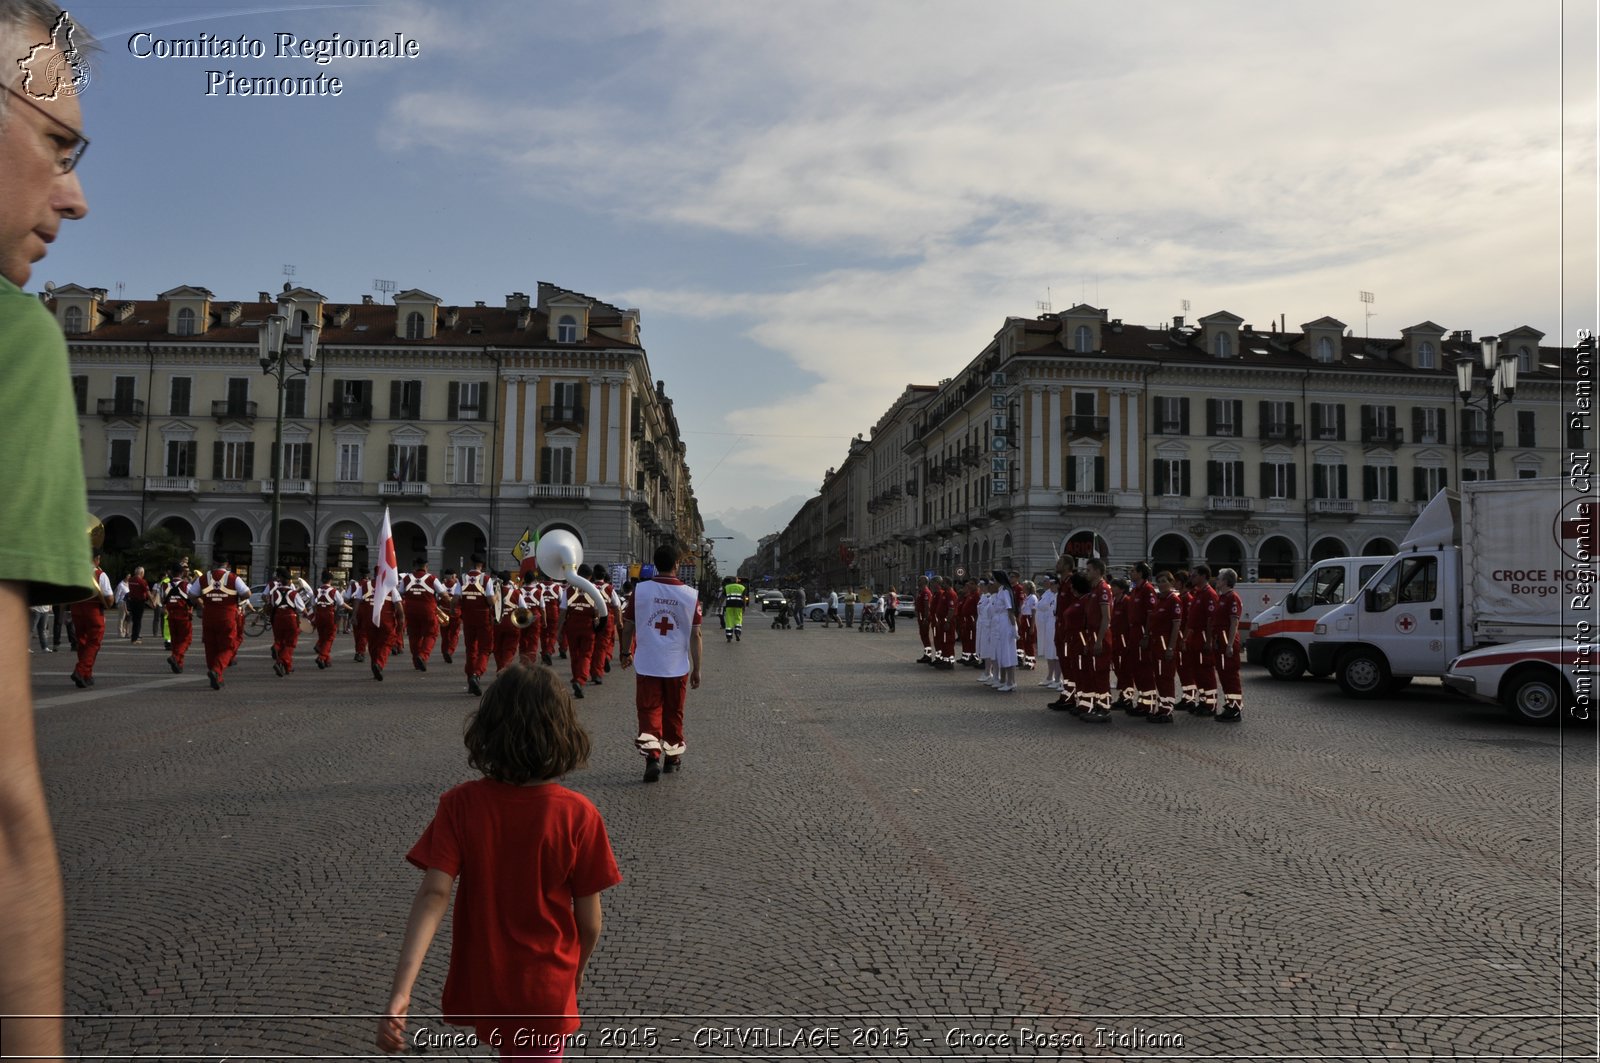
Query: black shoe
(321, 663)
(1138, 710)
(1231, 714)
(670, 765)
(360, 657)
(652, 768)
(1206, 710)
(562, 655)
(88, 680)
(277, 667)
(577, 689)
(736, 634)
(422, 666)
(77, 681)
(608, 665)
(174, 665)
(1096, 716)
(472, 685)
(544, 659)
(1159, 717)
(594, 681)
(447, 659)
(377, 673)
(1061, 704)
(216, 680)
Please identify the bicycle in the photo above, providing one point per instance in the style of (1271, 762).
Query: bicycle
(258, 623)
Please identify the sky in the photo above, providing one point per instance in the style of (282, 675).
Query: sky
(816, 203)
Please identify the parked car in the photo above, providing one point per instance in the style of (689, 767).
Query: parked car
(1533, 679)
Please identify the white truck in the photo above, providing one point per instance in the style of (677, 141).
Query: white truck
(1280, 632)
(1500, 562)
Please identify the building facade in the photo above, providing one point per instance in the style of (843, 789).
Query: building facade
(1259, 449)
(471, 424)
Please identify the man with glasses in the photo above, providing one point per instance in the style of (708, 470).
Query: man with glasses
(45, 555)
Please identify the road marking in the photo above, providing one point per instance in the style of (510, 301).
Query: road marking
(79, 696)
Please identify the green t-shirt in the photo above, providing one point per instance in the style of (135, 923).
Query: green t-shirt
(44, 514)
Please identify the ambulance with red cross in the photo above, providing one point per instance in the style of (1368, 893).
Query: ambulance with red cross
(1499, 563)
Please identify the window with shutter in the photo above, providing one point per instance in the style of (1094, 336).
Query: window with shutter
(294, 397)
(119, 463)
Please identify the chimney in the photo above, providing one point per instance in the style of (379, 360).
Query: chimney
(1466, 335)
(517, 301)
(1177, 321)
(263, 297)
(479, 304)
(366, 300)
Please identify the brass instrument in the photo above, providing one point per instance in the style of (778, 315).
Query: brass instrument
(97, 532)
(522, 616)
(443, 615)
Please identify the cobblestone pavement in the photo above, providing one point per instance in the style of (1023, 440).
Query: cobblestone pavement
(863, 858)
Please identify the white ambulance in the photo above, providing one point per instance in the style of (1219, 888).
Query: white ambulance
(1280, 632)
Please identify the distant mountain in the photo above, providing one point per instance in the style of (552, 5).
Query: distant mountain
(729, 554)
(747, 526)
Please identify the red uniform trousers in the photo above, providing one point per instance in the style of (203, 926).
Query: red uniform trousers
(659, 701)
(1123, 658)
(528, 638)
(394, 622)
(1202, 666)
(967, 632)
(922, 631)
(1096, 667)
(1027, 636)
(478, 625)
(219, 626)
(1227, 665)
(579, 634)
(944, 636)
(552, 626)
(285, 636)
(326, 622)
(1148, 663)
(180, 625)
(386, 638)
(603, 642)
(507, 640)
(450, 635)
(89, 621)
(1166, 670)
(422, 622)
(361, 626)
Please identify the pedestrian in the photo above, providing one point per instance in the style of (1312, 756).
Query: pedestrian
(179, 611)
(285, 604)
(1066, 635)
(1121, 666)
(325, 605)
(89, 620)
(450, 632)
(833, 609)
(966, 621)
(1202, 663)
(1223, 629)
(219, 592)
(661, 637)
(922, 609)
(891, 608)
(419, 596)
(119, 601)
(1141, 602)
(733, 599)
(1027, 624)
(848, 600)
(138, 602)
(800, 610)
(61, 624)
(358, 595)
(478, 602)
(39, 617)
(1166, 636)
(1004, 618)
(578, 624)
(1096, 684)
(388, 631)
(527, 859)
(508, 626)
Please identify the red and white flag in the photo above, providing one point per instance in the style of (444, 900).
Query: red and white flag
(388, 578)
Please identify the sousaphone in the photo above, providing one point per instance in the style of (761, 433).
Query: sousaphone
(559, 555)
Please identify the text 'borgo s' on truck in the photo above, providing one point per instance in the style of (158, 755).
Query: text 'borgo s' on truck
(1500, 563)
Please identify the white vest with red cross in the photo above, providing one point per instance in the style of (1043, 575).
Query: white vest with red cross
(664, 616)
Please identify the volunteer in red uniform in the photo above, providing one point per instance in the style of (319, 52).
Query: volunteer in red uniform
(325, 617)
(1223, 631)
(1066, 567)
(966, 621)
(660, 636)
(476, 601)
(359, 596)
(450, 633)
(180, 616)
(1166, 636)
(507, 636)
(1073, 636)
(387, 636)
(1096, 685)
(578, 627)
(220, 593)
(922, 606)
(1121, 648)
(419, 595)
(89, 621)
(1141, 599)
(285, 604)
(1196, 619)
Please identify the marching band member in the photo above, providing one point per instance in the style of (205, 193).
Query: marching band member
(325, 617)
(89, 620)
(220, 593)
(359, 594)
(387, 636)
(606, 637)
(450, 633)
(555, 600)
(529, 636)
(578, 627)
(179, 611)
(507, 636)
(285, 604)
(420, 591)
(478, 604)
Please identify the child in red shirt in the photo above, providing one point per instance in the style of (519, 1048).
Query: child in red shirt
(531, 857)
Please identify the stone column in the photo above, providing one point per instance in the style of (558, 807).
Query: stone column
(1057, 480)
(1114, 461)
(1036, 436)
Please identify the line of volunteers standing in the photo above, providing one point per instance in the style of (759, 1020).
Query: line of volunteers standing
(1170, 638)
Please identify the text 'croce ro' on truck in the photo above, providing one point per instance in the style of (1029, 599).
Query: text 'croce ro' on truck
(1499, 562)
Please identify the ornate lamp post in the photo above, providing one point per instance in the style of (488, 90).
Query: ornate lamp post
(273, 363)
(1499, 385)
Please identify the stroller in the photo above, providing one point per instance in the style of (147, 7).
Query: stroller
(872, 619)
(782, 619)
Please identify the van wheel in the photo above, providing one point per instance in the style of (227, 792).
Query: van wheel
(1284, 660)
(1362, 673)
(1534, 695)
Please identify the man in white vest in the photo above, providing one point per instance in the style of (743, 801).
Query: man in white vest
(661, 638)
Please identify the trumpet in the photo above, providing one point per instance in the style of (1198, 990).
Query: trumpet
(443, 615)
(522, 616)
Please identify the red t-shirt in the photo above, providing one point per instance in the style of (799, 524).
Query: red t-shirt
(519, 854)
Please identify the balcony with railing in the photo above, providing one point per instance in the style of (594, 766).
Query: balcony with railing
(349, 411)
(172, 485)
(109, 408)
(562, 416)
(1078, 501)
(1280, 432)
(230, 410)
(1084, 425)
(1479, 439)
(1229, 504)
(405, 490)
(1333, 507)
(561, 492)
(1382, 435)
(289, 487)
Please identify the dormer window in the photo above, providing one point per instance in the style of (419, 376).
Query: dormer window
(1324, 350)
(1222, 346)
(1524, 359)
(1083, 339)
(185, 323)
(567, 329)
(73, 320)
(1425, 355)
(414, 329)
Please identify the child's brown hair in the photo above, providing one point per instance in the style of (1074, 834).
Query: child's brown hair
(525, 729)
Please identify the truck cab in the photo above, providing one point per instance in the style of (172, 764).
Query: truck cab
(1280, 633)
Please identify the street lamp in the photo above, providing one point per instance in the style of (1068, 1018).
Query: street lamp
(273, 363)
(1499, 384)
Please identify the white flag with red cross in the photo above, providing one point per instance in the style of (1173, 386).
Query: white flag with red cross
(387, 580)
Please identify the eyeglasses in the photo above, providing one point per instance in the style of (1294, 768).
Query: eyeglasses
(76, 145)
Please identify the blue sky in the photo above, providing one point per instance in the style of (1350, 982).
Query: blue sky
(815, 203)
